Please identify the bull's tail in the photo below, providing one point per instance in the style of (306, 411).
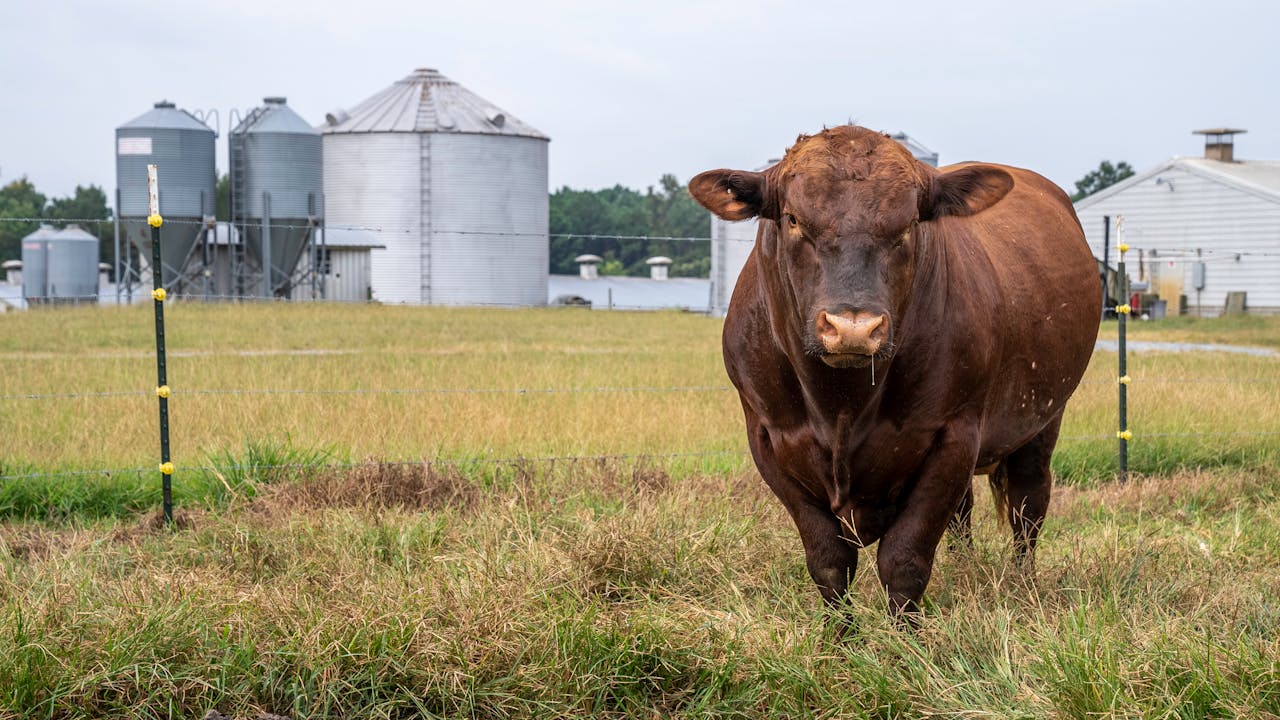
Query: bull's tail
(998, 479)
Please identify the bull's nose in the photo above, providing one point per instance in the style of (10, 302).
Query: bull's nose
(847, 332)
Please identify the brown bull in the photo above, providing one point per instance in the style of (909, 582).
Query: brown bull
(895, 329)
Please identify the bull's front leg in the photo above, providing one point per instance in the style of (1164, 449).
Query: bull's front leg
(907, 549)
(829, 556)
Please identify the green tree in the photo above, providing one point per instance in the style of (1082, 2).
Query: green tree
(1105, 176)
(666, 210)
(18, 199)
(222, 195)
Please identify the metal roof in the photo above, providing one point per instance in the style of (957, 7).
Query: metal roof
(1261, 178)
(274, 116)
(338, 237)
(165, 115)
(426, 101)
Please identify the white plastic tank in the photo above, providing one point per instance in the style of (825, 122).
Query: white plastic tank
(455, 187)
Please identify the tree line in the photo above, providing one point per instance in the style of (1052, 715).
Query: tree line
(665, 211)
(20, 199)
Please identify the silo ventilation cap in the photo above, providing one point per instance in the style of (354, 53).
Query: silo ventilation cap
(336, 117)
(274, 100)
(496, 118)
(165, 104)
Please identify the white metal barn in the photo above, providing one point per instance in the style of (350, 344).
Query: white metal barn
(731, 242)
(455, 187)
(1215, 210)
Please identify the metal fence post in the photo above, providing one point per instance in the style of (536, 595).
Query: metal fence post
(1122, 314)
(162, 387)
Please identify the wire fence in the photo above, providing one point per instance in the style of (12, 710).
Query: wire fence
(15, 399)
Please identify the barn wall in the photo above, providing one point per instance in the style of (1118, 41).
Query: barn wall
(1198, 213)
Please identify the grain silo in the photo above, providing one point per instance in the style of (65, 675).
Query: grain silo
(276, 196)
(60, 266)
(456, 187)
(183, 149)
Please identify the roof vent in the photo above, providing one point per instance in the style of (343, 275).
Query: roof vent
(496, 118)
(273, 100)
(658, 266)
(165, 104)
(1219, 143)
(336, 117)
(587, 266)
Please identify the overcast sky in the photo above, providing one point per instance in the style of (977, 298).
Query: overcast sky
(630, 91)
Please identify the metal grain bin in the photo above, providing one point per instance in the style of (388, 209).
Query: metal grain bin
(457, 186)
(183, 148)
(60, 266)
(276, 180)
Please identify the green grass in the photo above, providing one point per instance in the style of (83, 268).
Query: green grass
(321, 568)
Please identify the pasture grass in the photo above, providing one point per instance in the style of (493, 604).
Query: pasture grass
(600, 589)
(419, 554)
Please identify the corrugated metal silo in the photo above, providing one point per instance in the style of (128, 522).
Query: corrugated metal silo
(60, 266)
(276, 181)
(457, 186)
(183, 148)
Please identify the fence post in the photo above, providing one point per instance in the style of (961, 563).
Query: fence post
(1122, 314)
(162, 387)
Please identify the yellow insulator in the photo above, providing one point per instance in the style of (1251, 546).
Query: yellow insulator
(162, 391)
(1123, 247)
(155, 221)
(1124, 379)
(166, 468)
(158, 294)
(1124, 435)
(1124, 309)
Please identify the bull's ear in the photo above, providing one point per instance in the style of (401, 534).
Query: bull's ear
(733, 194)
(965, 191)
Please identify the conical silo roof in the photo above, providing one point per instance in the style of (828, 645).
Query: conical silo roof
(274, 117)
(426, 101)
(165, 115)
(44, 232)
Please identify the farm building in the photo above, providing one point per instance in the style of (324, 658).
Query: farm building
(456, 187)
(731, 242)
(1198, 228)
(616, 292)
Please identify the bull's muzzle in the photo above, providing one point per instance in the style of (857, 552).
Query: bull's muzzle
(850, 339)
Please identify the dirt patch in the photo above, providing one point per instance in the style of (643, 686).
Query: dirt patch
(154, 524)
(378, 485)
(32, 543)
(215, 715)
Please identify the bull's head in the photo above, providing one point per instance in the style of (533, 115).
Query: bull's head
(842, 220)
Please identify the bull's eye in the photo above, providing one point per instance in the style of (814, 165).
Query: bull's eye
(791, 220)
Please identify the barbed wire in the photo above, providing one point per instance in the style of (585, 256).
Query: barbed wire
(177, 392)
(383, 229)
(518, 460)
(603, 389)
(430, 463)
